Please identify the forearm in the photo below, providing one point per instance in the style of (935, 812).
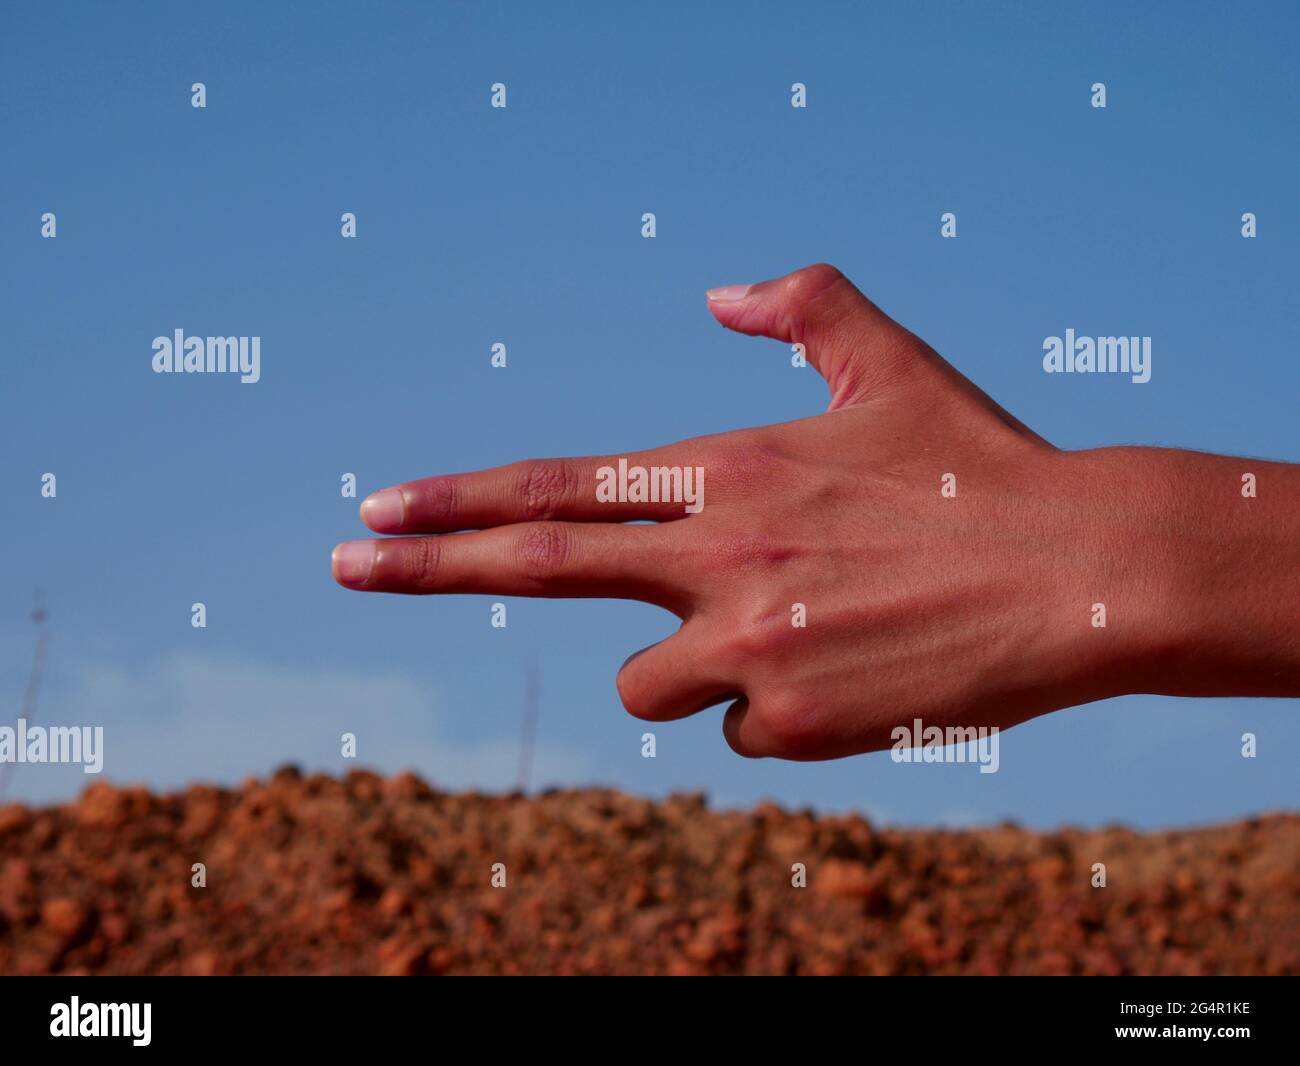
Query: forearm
(1219, 570)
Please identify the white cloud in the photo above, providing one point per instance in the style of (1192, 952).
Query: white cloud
(188, 717)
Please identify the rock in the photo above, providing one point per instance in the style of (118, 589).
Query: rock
(68, 921)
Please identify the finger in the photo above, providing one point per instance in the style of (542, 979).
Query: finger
(658, 485)
(672, 679)
(528, 559)
(854, 345)
(744, 732)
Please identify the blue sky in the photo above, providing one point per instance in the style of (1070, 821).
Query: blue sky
(522, 226)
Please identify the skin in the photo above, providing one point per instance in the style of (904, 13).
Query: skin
(968, 610)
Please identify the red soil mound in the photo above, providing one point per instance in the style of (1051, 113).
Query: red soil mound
(373, 875)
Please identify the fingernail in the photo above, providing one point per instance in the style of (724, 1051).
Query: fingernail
(383, 510)
(728, 293)
(353, 561)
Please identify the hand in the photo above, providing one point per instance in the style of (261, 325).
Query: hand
(947, 560)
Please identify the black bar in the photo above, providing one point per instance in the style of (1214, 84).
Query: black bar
(336, 1015)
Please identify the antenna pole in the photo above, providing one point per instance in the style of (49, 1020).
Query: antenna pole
(528, 738)
(39, 617)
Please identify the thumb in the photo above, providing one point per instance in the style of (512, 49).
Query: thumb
(854, 345)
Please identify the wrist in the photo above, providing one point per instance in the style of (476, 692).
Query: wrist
(1201, 582)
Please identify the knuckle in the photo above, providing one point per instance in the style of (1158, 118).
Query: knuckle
(750, 552)
(736, 466)
(760, 638)
(544, 550)
(545, 486)
(438, 499)
(422, 562)
(786, 720)
(748, 642)
(812, 281)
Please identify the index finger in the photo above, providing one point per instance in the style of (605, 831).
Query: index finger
(660, 485)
